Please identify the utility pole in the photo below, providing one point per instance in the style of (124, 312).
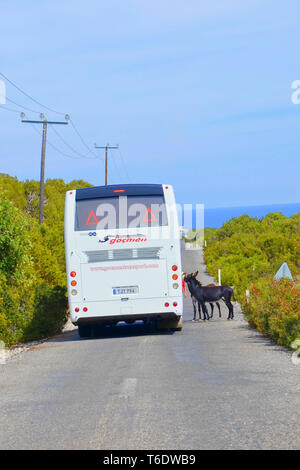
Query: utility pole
(106, 147)
(43, 156)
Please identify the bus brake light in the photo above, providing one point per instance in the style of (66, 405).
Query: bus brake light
(119, 190)
(174, 267)
(167, 304)
(73, 274)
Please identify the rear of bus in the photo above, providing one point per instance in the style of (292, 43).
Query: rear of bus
(123, 256)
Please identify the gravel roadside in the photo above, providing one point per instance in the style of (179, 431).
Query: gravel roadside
(8, 354)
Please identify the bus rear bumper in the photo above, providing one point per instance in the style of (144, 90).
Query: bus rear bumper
(125, 318)
(131, 310)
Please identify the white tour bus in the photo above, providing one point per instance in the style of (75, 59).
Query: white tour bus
(123, 256)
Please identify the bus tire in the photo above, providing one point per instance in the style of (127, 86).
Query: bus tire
(84, 331)
(174, 324)
(178, 326)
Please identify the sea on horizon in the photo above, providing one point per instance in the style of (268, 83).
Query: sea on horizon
(215, 218)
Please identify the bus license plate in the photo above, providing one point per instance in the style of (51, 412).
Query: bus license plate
(125, 290)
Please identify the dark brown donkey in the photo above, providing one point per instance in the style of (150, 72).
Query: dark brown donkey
(210, 303)
(196, 303)
(209, 294)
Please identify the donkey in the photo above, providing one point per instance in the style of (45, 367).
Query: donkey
(209, 294)
(210, 303)
(195, 302)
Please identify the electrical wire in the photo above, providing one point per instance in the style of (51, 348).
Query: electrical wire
(72, 148)
(54, 147)
(54, 111)
(29, 96)
(80, 136)
(125, 168)
(21, 106)
(9, 109)
(50, 143)
(116, 170)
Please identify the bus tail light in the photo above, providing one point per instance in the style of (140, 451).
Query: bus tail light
(175, 304)
(73, 283)
(167, 304)
(174, 267)
(73, 274)
(76, 309)
(85, 309)
(174, 277)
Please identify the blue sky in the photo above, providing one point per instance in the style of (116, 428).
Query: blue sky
(197, 94)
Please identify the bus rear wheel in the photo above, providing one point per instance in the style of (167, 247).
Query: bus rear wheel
(84, 331)
(174, 324)
(178, 326)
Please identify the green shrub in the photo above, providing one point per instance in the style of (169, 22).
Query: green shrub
(17, 276)
(49, 314)
(274, 309)
(249, 252)
(247, 249)
(33, 299)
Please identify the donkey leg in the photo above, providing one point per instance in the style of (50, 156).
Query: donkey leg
(199, 310)
(231, 313)
(194, 305)
(204, 310)
(219, 308)
(212, 309)
(230, 306)
(230, 309)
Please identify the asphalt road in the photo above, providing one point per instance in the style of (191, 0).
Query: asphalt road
(215, 385)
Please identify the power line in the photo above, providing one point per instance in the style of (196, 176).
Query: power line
(21, 106)
(43, 156)
(9, 109)
(118, 171)
(63, 153)
(80, 136)
(125, 168)
(54, 147)
(49, 109)
(29, 96)
(72, 148)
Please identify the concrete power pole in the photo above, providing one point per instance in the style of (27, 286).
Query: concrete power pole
(106, 147)
(43, 156)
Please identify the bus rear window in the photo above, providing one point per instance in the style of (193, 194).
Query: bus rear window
(120, 212)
